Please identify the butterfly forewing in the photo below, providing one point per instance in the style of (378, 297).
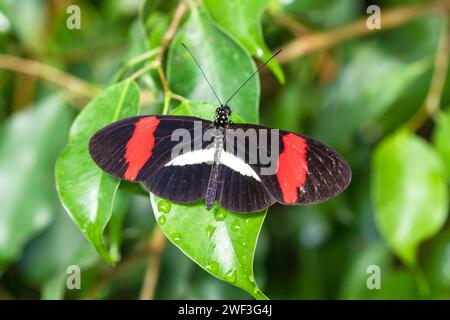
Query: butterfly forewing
(139, 149)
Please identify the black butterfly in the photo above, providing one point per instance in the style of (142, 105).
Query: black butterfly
(244, 167)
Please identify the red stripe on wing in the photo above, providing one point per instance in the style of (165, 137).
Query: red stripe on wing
(292, 167)
(139, 147)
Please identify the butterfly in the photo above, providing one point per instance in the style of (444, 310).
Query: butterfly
(243, 167)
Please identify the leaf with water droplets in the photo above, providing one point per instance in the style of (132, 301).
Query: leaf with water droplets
(86, 191)
(220, 214)
(214, 244)
(164, 206)
(210, 229)
(176, 237)
(230, 276)
(221, 242)
(162, 220)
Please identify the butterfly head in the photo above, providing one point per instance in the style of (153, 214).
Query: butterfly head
(222, 117)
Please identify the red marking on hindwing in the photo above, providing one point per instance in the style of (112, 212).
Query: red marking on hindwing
(139, 147)
(292, 167)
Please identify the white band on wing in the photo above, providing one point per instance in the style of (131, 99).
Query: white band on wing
(207, 156)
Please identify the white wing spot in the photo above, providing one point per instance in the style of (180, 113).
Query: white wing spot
(207, 155)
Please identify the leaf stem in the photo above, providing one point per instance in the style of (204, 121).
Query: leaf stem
(134, 61)
(421, 281)
(144, 56)
(140, 72)
(260, 296)
(167, 98)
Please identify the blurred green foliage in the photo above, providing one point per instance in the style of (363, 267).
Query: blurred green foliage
(365, 97)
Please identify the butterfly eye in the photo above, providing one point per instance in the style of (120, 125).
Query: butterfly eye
(227, 110)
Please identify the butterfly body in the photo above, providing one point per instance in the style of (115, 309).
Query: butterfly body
(222, 117)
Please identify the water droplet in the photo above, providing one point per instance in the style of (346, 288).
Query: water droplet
(256, 291)
(176, 237)
(220, 214)
(247, 220)
(162, 219)
(210, 229)
(244, 243)
(164, 206)
(235, 227)
(212, 266)
(230, 276)
(259, 52)
(251, 279)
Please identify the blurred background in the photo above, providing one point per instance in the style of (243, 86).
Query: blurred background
(376, 95)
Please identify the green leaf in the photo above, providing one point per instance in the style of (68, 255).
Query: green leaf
(242, 19)
(54, 288)
(437, 265)
(370, 82)
(225, 63)
(153, 23)
(221, 242)
(27, 20)
(395, 282)
(409, 191)
(354, 283)
(441, 137)
(63, 245)
(85, 190)
(28, 150)
(403, 43)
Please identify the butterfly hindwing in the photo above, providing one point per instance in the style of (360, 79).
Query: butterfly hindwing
(305, 171)
(241, 193)
(309, 171)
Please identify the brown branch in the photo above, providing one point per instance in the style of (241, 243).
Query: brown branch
(173, 27)
(157, 244)
(389, 19)
(440, 72)
(122, 266)
(50, 74)
(168, 36)
(290, 24)
(24, 91)
(76, 86)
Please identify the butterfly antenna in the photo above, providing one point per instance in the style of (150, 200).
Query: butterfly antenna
(253, 74)
(198, 65)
